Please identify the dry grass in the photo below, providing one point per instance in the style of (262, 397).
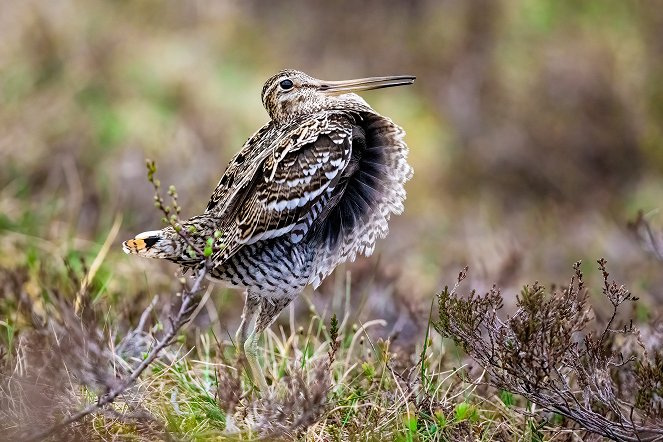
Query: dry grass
(358, 388)
(76, 346)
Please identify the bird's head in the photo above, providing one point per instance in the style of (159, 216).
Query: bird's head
(290, 93)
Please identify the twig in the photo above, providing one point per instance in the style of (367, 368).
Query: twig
(182, 317)
(643, 230)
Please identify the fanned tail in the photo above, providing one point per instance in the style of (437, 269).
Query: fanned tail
(372, 194)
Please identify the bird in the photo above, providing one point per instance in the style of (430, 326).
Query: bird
(314, 187)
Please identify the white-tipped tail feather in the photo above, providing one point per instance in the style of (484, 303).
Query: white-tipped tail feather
(151, 244)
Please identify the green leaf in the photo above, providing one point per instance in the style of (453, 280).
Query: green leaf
(368, 369)
(464, 411)
(507, 398)
(411, 423)
(441, 419)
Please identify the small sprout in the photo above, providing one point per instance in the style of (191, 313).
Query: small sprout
(151, 169)
(465, 411)
(217, 234)
(178, 227)
(441, 418)
(368, 369)
(172, 191)
(410, 422)
(333, 327)
(507, 398)
(191, 252)
(207, 252)
(333, 338)
(192, 229)
(210, 242)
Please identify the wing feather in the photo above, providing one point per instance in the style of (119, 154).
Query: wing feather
(275, 188)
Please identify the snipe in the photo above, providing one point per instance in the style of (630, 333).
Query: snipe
(311, 189)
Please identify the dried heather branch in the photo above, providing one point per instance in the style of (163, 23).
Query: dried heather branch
(188, 305)
(182, 317)
(545, 353)
(651, 241)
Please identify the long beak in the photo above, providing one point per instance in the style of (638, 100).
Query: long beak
(365, 84)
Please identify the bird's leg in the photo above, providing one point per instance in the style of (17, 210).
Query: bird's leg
(245, 333)
(269, 311)
(251, 353)
(249, 313)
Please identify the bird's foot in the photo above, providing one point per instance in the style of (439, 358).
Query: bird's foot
(251, 354)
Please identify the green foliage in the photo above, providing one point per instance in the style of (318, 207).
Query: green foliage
(507, 398)
(465, 411)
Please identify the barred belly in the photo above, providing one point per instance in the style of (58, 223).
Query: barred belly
(276, 268)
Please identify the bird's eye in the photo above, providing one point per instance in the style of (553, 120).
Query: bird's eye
(286, 84)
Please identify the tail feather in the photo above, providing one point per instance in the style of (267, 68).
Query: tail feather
(152, 244)
(168, 244)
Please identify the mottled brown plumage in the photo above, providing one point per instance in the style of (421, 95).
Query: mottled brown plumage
(312, 188)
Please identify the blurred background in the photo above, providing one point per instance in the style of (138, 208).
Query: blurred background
(535, 132)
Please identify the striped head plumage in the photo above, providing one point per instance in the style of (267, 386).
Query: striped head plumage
(290, 94)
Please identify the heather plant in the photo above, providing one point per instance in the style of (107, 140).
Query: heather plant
(552, 352)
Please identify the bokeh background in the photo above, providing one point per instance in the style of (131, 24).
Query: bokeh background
(535, 129)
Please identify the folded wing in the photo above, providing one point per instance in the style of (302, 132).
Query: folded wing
(288, 188)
